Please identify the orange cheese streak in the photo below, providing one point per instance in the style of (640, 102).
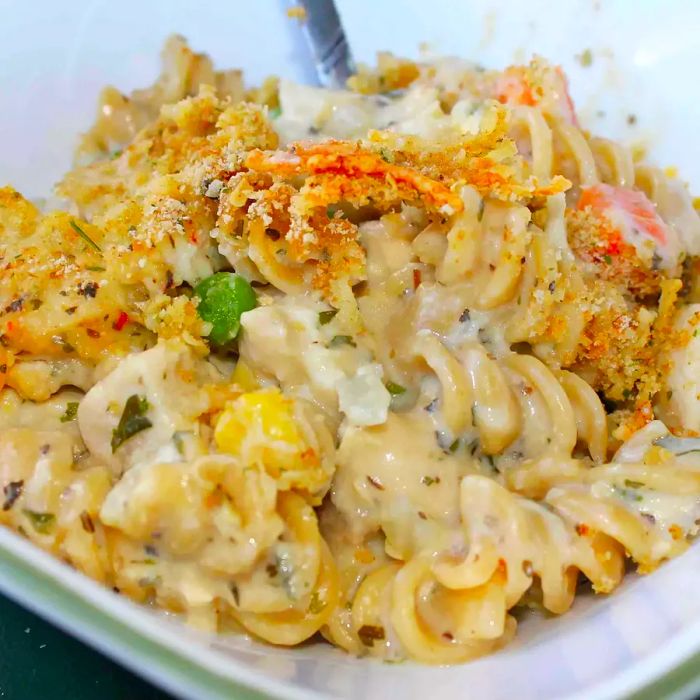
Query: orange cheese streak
(350, 161)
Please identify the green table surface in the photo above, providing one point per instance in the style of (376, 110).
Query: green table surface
(38, 661)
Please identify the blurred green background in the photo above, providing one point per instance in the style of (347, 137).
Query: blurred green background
(37, 661)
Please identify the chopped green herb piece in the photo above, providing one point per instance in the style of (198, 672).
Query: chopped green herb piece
(633, 484)
(386, 155)
(316, 605)
(586, 58)
(430, 480)
(63, 343)
(132, 420)
(369, 634)
(85, 237)
(338, 340)
(223, 298)
(627, 494)
(71, 412)
(395, 389)
(325, 317)
(179, 440)
(607, 259)
(454, 446)
(41, 522)
(96, 268)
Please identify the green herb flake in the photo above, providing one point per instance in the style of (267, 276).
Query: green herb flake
(607, 259)
(85, 237)
(339, 340)
(41, 522)
(586, 58)
(369, 634)
(62, 343)
(179, 440)
(316, 605)
(429, 480)
(325, 317)
(633, 484)
(71, 412)
(96, 268)
(627, 494)
(133, 420)
(395, 389)
(386, 155)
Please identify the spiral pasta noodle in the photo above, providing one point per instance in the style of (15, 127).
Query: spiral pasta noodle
(288, 376)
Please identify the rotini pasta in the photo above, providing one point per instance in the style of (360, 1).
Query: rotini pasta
(385, 364)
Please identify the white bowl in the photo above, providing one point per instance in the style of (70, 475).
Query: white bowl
(54, 57)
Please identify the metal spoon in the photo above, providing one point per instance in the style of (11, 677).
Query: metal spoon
(326, 38)
(679, 446)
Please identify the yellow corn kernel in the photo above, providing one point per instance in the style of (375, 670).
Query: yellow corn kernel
(364, 555)
(263, 416)
(244, 377)
(656, 455)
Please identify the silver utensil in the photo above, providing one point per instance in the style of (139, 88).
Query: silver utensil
(679, 446)
(326, 38)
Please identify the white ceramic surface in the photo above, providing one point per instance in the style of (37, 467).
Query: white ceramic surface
(54, 57)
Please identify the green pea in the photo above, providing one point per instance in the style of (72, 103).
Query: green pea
(223, 298)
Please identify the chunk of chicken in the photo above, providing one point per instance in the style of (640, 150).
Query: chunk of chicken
(162, 379)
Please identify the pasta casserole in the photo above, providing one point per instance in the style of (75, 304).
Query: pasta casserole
(388, 364)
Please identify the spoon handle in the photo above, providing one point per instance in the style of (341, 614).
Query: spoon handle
(679, 445)
(326, 38)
